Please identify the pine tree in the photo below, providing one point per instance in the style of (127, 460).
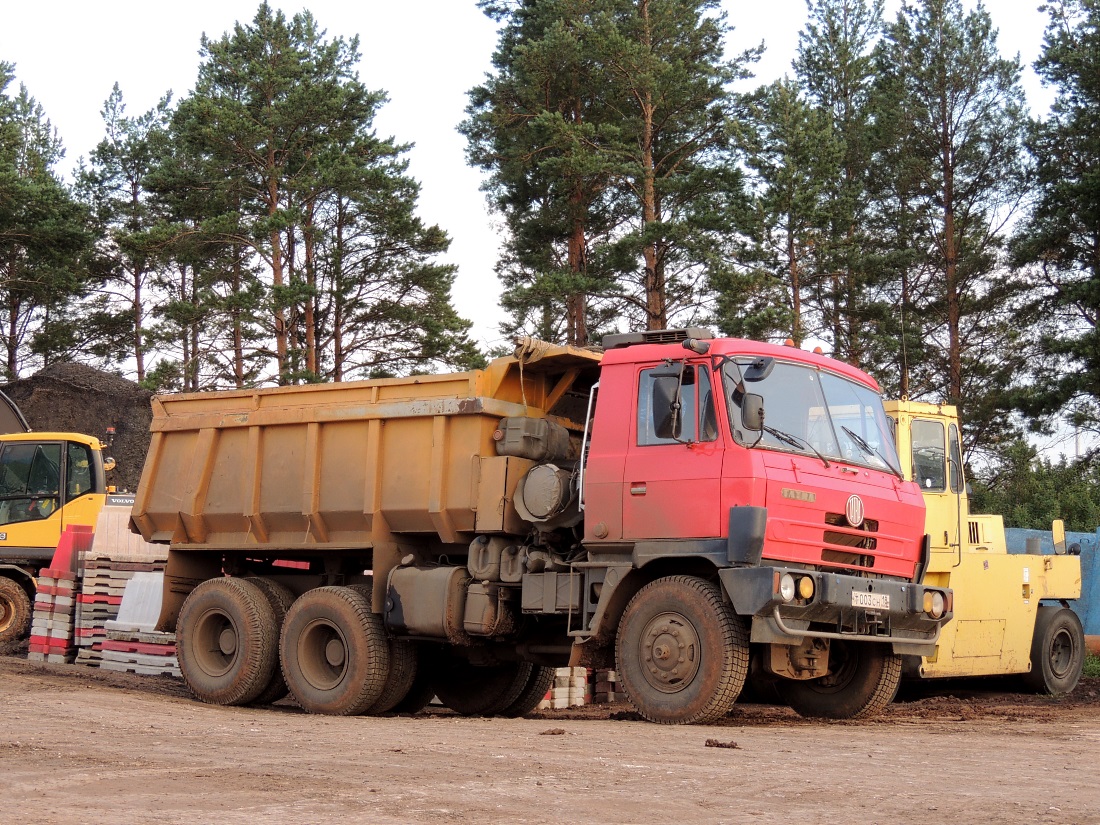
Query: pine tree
(115, 185)
(794, 158)
(953, 119)
(835, 67)
(1059, 242)
(276, 114)
(44, 240)
(544, 129)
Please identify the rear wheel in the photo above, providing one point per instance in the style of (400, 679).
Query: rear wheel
(534, 691)
(402, 670)
(1057, 651)
(334, 652)
(280, 598)
(422, 689)
(863, 679)
(682, 654)
(227, 641)
(15, 613)
(481, 690)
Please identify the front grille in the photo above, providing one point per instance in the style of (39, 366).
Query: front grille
(840, 520)
(851, 539)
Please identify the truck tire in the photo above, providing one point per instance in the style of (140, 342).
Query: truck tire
(402, 665)
(422, 690)
(863, 680)
(280, 598)
(540, 681)
(1057, 651)
(481, 690)
(15, 613)
(227, 641)
(681, 653)
(334, 652)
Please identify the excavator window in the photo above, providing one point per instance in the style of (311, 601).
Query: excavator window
(30, 478)
(79, 479)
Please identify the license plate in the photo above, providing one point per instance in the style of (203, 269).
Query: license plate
(873, 601)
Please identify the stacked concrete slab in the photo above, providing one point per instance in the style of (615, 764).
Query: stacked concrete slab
(132, 643)
(115, 557)
(606, 687)
(52, 620)
(570, 689)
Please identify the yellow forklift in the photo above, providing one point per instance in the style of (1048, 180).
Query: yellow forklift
(48, 481)
(1011, 610)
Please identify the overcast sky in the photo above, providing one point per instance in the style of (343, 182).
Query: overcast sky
(426, 54)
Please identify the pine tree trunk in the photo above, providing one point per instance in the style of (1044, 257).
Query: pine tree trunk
(655, 298)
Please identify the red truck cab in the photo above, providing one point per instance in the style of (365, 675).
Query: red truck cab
(777, 466)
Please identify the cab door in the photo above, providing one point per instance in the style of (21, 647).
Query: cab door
(672, 484)
(30, 498)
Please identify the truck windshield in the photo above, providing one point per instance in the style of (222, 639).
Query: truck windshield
(809, 410)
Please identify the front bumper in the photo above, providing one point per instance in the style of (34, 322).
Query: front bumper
(834, 610)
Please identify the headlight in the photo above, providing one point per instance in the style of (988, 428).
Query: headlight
(933, 603)
(786, 587)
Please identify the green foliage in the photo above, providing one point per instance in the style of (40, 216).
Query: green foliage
(44, 238)
(606, 132)
(1092, 667)
(1058, 244)
(1031, 492)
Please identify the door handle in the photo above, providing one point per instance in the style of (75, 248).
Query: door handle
(637, 488)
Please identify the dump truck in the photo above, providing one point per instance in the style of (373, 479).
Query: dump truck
(1012, 614)
(48, 481)
(663, 507)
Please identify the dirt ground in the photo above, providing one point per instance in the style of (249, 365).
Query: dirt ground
(80, 745)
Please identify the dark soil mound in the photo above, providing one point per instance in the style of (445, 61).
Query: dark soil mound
(77, 399)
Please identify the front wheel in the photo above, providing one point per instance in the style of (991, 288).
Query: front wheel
(15, 613)
(863, 679)
(681, 652)
(1057, 651)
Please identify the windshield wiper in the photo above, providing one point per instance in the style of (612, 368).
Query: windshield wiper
(795, 441)
(871, 451)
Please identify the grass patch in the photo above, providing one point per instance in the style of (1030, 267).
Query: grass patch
(1092, 667)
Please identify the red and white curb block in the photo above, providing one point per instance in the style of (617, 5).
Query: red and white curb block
(52, 620)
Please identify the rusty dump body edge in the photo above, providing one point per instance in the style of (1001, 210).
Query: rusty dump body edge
(308, 469)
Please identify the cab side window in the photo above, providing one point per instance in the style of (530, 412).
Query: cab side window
(929, 460)
(30, 479)
(697, 412)
(80, 479)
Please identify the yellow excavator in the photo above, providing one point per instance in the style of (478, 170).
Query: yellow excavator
(48, 481)
(1011, 610)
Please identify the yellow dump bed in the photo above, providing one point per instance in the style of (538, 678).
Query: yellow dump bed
(309, 468)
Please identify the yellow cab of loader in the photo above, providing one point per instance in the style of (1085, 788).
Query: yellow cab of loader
(48, 481)
(1000, 626)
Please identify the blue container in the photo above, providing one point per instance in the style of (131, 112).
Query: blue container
(1088, 606)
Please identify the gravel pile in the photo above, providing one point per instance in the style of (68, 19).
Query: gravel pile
(81, 399)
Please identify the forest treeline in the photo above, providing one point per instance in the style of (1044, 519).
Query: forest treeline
(892, 198)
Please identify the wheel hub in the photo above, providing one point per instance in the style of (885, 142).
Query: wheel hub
(1061, 653)
(227, 641)
(670, 646)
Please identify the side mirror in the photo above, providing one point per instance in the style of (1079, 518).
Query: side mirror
(667, 414)
(752, 412)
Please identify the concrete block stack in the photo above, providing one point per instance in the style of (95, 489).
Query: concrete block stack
(132, 644)
(606, 687)
(52, 619)
(115, 557)
(570, 688)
